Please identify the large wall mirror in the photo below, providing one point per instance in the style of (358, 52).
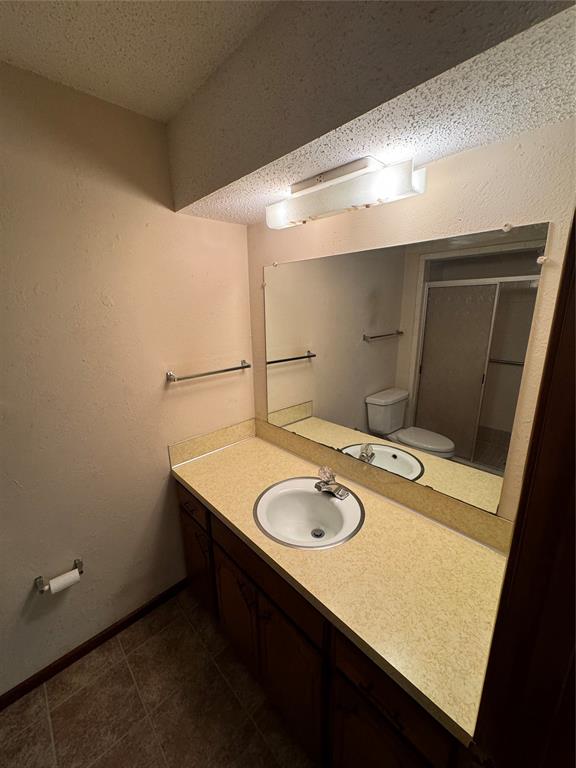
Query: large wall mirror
(409, 358)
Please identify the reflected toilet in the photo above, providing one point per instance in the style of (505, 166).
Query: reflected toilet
(386, 416)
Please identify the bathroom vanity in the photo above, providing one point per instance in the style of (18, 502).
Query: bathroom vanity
(373, 649)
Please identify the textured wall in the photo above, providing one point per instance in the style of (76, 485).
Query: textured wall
(105, 289)
(326, 305)
(310, 67)
(522, 181)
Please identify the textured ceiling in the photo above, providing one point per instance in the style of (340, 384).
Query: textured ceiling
(146, 56)
(522, 84)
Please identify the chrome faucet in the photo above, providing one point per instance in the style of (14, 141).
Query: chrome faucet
(328, 484)
(366, 453)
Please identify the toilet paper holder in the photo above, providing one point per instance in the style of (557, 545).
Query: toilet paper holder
(43, 586)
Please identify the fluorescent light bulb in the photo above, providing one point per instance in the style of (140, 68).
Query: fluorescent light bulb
(372, 186)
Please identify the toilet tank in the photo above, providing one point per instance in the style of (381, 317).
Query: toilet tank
(386, 410)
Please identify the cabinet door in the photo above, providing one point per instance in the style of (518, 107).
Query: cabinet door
(237, 607)
(291, 671)
(404, 715)
(362, 737)
(198, 559)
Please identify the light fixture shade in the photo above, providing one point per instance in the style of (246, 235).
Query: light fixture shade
(380, 186)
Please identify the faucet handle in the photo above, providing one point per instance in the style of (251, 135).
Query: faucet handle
(326, 474)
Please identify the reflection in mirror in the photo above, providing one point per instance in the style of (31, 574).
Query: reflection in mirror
(409, 358)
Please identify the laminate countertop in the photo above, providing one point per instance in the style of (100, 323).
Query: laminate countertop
(474, 486)
(418, 598)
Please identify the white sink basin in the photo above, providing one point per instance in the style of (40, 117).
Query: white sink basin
(391, 458)
(294, 513)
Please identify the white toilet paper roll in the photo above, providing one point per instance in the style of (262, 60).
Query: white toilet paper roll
(65, 580)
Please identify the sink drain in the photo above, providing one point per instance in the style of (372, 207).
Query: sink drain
(317, 533)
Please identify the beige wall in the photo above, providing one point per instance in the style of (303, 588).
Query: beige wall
(326, 305)
(527, 179)
(105, 289)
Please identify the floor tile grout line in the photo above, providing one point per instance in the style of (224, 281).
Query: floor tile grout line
(50, 728)
(101, 671)
(21, 728)
(139, 645)
(104, 670)
(158, 740)
(250, 715)
(98, 673)
(213, 658)
(147, 715)
(104, 667)
(124, 660)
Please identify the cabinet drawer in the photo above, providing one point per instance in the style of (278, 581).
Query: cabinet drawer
(192, 506)
(296, 607)
(405, 714)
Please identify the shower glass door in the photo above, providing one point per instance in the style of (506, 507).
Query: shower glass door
(512, 323)
(455, 346)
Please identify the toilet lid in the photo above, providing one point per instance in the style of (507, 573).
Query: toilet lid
(423, 438)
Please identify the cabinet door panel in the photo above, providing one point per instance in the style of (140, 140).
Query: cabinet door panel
(361, 737)
(237, 607)
(305, 616)
(291, 670)
(198, 559)
(404, 714)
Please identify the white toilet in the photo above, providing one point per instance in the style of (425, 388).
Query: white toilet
(386, 416)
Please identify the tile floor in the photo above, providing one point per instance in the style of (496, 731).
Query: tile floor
(491, 449)
(167, 692)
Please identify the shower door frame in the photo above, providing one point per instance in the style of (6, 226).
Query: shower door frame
(497, 281)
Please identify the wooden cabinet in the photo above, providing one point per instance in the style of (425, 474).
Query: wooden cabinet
(197, 552)
(402, 713)
(344, 709)
(291, 671)
(361, 736)
(237, 607)
(195, 509)
(304, 616)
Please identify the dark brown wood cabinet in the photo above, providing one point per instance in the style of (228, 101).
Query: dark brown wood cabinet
(291, 671)
(361, 736)
(343, 709)
(197, 552)
(402, 713)
(237, 607)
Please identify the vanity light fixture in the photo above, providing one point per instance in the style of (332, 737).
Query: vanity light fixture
(359, 184)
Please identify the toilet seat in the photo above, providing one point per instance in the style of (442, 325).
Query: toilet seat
(432, 442)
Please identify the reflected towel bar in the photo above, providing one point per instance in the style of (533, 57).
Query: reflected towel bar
(505, 362)
(365, 336)
(307, 356)
(171, 376)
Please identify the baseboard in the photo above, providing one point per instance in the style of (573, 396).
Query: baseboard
(9, 697)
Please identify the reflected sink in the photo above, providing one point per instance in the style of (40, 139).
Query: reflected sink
(294, 513)
(391, 458)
